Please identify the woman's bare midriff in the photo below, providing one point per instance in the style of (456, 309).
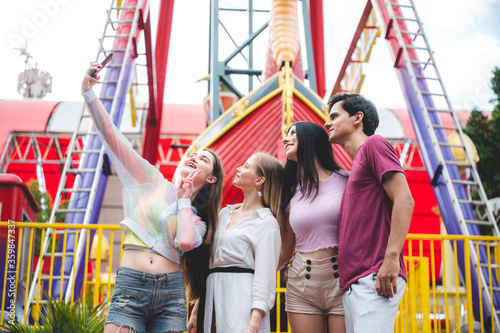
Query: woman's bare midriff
(148, 262)
(322, 254)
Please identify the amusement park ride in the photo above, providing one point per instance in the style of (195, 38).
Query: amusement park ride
(258, 120)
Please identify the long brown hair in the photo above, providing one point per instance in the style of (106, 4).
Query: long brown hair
(271, 169)
(194, 264)
(313, 145)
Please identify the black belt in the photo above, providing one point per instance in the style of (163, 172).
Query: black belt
(231, 270)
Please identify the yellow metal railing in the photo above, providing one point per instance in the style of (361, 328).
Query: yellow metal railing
(414, 309)
(436, 298)
(20, 248)
(442, 302)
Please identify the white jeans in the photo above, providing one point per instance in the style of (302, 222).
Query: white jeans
(366, 310)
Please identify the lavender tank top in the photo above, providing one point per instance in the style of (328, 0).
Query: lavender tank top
(315, 222)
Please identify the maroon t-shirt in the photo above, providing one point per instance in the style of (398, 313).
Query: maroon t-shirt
(365, 213)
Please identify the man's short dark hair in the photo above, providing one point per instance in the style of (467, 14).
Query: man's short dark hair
(353, 103)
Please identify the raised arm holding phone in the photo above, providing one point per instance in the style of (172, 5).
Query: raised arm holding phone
(160, 227)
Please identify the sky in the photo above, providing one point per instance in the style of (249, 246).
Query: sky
(62, 35)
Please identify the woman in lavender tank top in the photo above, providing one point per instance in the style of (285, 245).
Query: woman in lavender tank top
(312, 192)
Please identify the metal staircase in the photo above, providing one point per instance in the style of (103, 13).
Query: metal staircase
(120, 36)
(422, 85)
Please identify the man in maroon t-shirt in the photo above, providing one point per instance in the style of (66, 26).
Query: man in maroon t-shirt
(375, 215)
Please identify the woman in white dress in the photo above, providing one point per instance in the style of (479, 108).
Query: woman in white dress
(241, 285)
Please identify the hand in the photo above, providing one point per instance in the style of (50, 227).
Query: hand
(88, 81)
(186, 188)
(255, 319)
(285, 274)
(192, 327)
(387, 277)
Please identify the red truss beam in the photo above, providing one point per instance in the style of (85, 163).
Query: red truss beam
(158, 73)
(318, 43)
(352, 47)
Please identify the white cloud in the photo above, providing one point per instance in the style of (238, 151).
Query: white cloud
(465, 50)
(466, 66)
(455, 16)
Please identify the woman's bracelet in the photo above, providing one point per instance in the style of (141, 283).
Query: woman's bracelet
(251, 330)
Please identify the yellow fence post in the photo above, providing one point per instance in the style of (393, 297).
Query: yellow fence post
(28, 277)
(413, 295)
(457, 283)
(52, 260)
(425, 301)
(492, 306)
(97, 270)
(278, 301)
(61, 281)
(479, 288)
(110, 261)
(468, 287)
(5, 280)
(77, 235)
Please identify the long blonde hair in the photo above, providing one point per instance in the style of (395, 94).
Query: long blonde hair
(271, 169)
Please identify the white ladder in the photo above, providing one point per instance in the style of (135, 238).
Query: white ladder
(81, 191)
(427, 83)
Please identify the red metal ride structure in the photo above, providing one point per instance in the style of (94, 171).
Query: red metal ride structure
(259, 121)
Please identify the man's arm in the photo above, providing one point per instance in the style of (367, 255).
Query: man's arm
(396, 187)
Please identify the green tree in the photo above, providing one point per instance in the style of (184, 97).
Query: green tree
(45, 201)
(485, 133)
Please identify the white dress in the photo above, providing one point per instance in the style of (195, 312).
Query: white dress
(254, 243)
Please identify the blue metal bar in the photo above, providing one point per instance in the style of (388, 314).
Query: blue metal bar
(243, 10)
(250, 46)
(234, 42)
(311, 72)
(251, 72)
(248, 42)
(216, 67)
(227, 81)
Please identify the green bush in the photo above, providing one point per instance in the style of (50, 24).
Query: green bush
(65, 317)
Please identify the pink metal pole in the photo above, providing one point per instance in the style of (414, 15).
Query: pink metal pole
(317, 33)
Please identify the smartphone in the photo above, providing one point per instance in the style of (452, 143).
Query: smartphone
(103, 63)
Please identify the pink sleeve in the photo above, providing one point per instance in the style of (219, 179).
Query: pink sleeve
(131, 168)
(190, 229)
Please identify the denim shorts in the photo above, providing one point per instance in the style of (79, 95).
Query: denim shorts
(145, 302)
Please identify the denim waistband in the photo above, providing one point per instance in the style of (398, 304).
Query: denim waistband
(149, 277)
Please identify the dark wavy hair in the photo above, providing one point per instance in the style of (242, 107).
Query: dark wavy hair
(313, 145)
(353, 103)
(194, 263)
